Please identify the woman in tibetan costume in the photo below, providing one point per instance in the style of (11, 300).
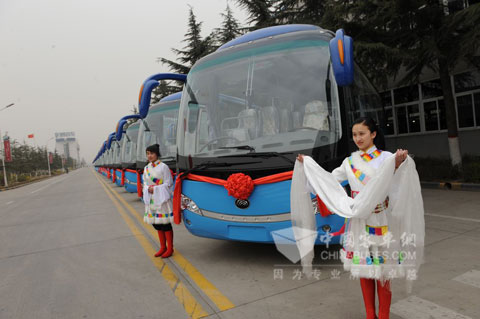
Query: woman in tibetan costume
(157, 196)
(384, 232)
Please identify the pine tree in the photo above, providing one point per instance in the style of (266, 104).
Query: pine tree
(230, 28)
(195, 49)
(164, 89)
(295, 11)
(133, 120)
(367, 22)
(261, 12)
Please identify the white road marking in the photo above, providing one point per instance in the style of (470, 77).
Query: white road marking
(453, 217)
(8, 203)
(471, 278)
(37, 190)
(415, 307)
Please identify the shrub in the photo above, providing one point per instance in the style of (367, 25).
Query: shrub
(435, 169)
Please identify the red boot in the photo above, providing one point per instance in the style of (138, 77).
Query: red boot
(368, 291)
(163, 246)
(169, 252)
(384, 299)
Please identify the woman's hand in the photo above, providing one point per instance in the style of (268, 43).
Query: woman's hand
(150, 189)
(400, 156)
(300, 158)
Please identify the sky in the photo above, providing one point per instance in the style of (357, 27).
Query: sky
(77, 65)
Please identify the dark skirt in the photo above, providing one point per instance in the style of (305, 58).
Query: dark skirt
(164, 227)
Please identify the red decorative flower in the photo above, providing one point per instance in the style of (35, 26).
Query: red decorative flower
(239, 186)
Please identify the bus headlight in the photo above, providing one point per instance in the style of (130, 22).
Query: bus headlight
(189, 204)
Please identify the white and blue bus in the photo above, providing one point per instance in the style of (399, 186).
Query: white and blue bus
(157, 124)
(251, 107)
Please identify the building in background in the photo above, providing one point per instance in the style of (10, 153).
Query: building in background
(66, 145)
(415, 114)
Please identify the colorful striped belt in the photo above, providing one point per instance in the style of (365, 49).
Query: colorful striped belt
(376, 230)
(159, 215)
(356, 260)
(163, 215)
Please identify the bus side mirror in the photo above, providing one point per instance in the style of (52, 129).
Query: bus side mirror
(119, 131)
(341, 55)
(145, 97)
(150, 83)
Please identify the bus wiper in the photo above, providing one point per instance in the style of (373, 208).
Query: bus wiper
(239, 147)
(211, 164)
(264, 155)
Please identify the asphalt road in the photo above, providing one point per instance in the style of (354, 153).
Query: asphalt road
(74, 246)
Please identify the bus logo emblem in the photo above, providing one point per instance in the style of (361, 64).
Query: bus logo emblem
(242, 203)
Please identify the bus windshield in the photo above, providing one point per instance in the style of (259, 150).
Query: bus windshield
(116, 152)
(278, 96)
(159, 127)
(129, 144)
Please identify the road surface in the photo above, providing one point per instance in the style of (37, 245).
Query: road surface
(75, 246)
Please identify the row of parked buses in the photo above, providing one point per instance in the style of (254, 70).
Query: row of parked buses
(232, 136)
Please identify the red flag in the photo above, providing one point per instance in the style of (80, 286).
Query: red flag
(50, 157)
(8, 151)
(31, 136)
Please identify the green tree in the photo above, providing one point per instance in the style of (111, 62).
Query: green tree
(27, 159)
(165, 88)
(230, 28)
(134, 110)
(57, 161)
(261, 13)
(294, 11)
(369, 23)
(196, 47)
(440, 41)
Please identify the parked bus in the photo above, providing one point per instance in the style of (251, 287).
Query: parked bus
(160, 127)
(99, 161)
(122, 139)
(250, 108)
(109, 157)
(129, 153)
(157, 124)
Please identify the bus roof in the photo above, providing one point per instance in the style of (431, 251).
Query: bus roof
(172, 97)
(269, 32)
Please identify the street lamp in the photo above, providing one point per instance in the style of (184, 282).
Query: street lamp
(48, 157)
(6, 107)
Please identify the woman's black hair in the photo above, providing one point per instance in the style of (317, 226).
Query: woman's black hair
(369, 122)
(155, 148)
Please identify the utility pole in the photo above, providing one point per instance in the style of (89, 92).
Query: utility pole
(48, 157)
(3, 163)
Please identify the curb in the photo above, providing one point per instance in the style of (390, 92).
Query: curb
(25, 184)
(452, 186)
